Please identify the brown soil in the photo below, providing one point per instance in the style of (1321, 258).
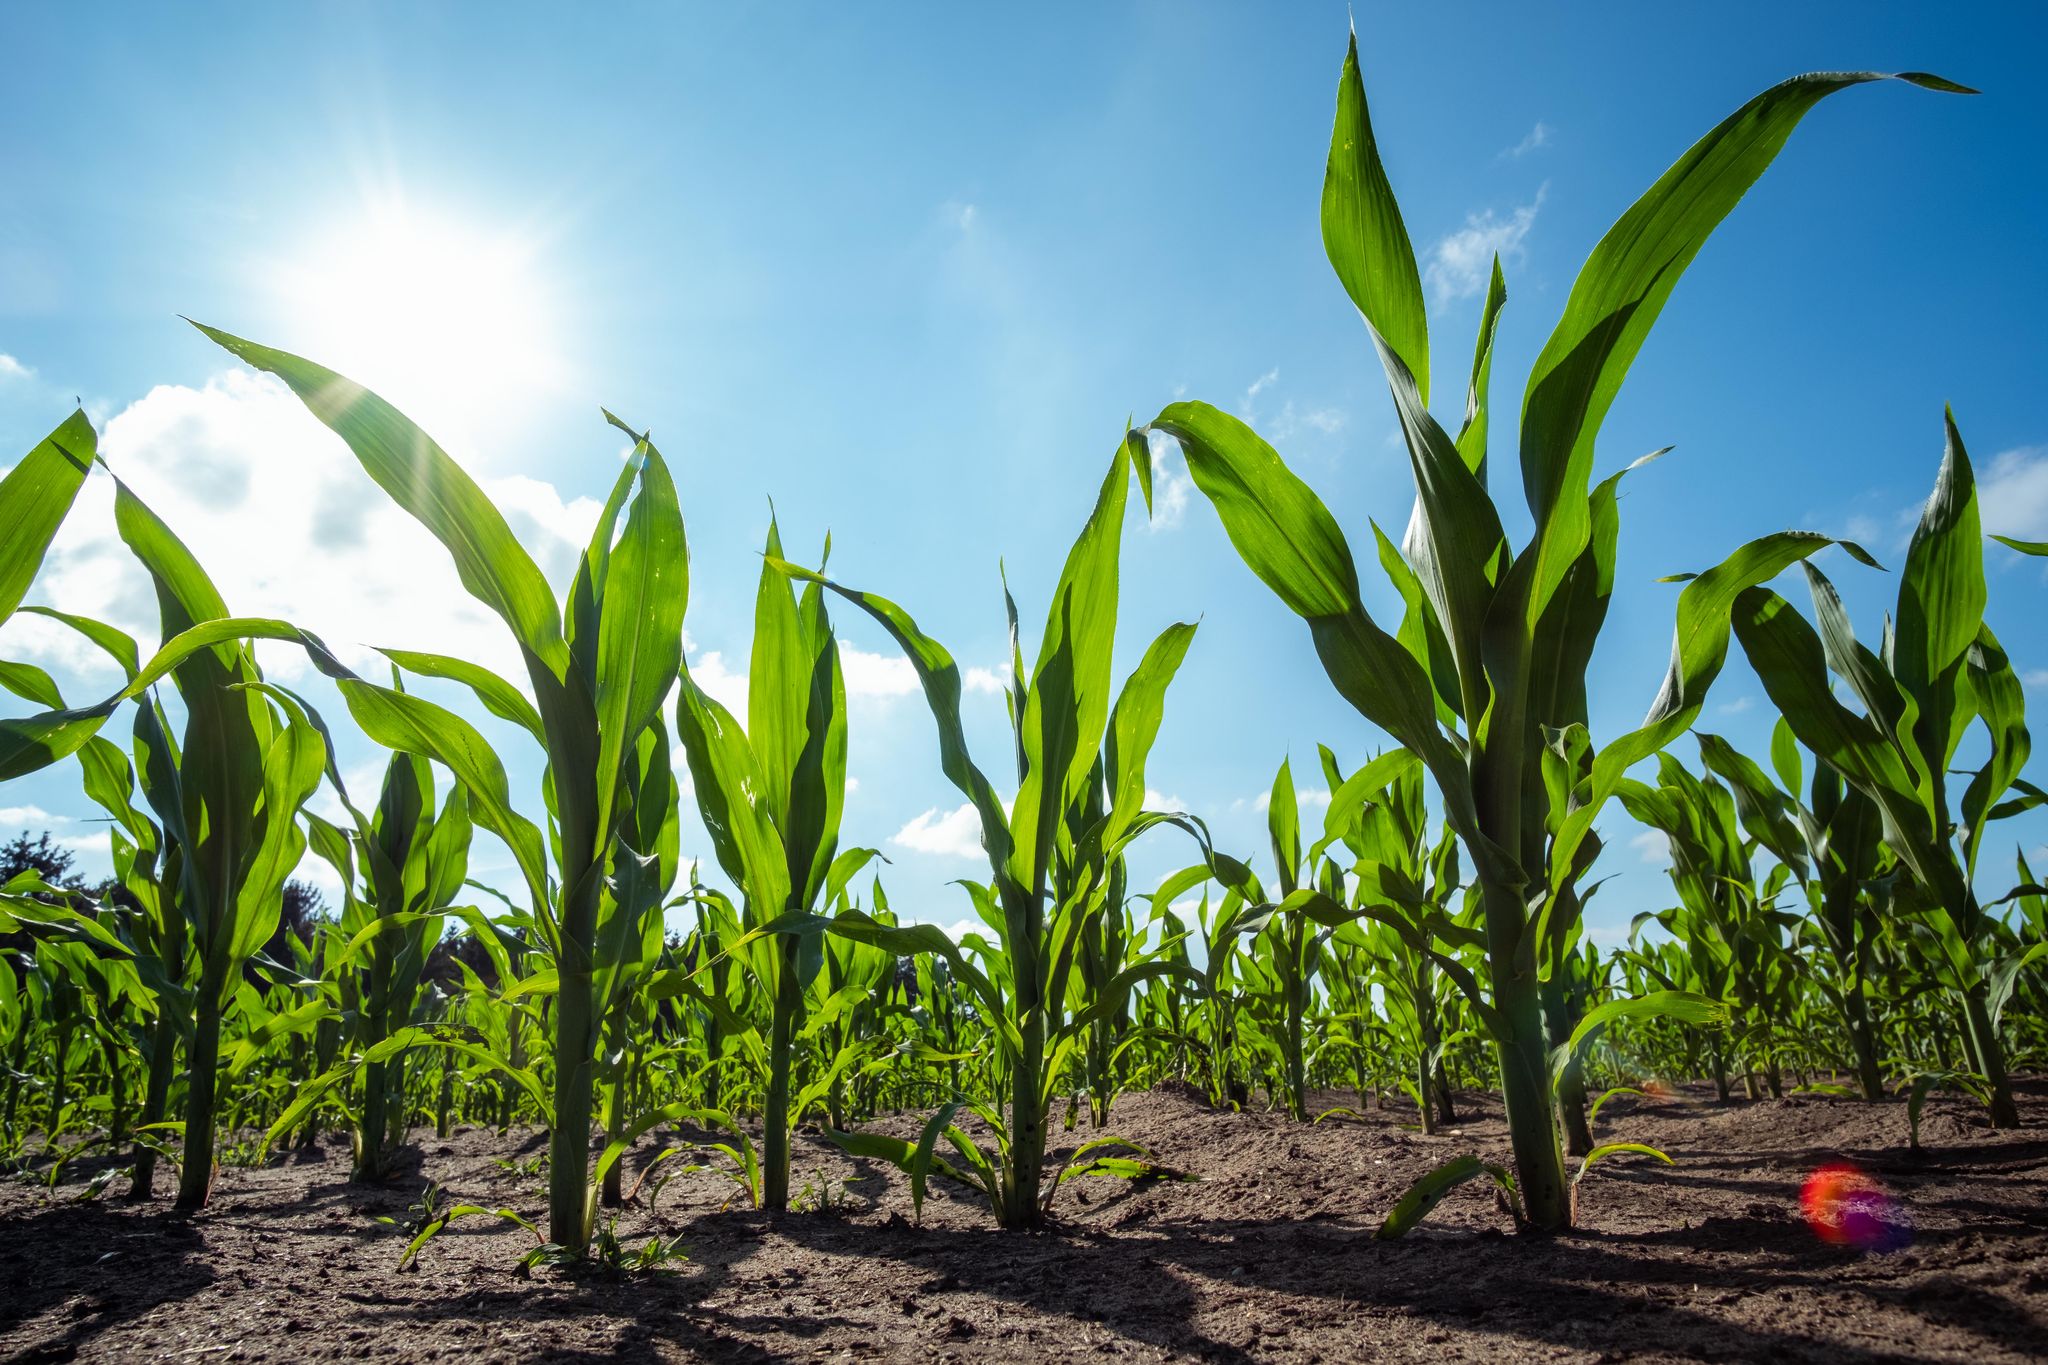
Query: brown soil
(1268, 1256)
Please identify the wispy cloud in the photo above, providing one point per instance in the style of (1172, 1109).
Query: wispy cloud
(1293, 420)
(1539, 136)
(1304, 797)
(10, 368)
(1171, 486)
(952, 834)
(1653, 846)
(1735, 706)
(1461, 263)
(1249, 406)
(2012, 500)
(2013, 493)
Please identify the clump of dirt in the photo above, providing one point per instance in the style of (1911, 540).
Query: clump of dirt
(1267, 1254)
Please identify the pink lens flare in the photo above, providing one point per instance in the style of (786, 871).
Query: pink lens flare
(1847, 1207)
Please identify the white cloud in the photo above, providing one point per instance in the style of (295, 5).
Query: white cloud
(2033, 677)
(876, 675)
(1653, 846)
(1171, 484)
(1158, 800)
(979, 679)
(10, 368)
(96, 848)
(30, 815)
(2013, 494)
(1328, 421)
(287, 524)
(953, 834)
(1304, 797)
(1460, 264)
(727, 687)
(1736, 706)
(1257, 387)
(1539, 136)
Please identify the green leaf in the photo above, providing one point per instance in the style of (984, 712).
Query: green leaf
(640, 625)
(1067, 703)
(1620, 292)
(1687, 1007)
(732, 799)
(1134, 722)
(498, 696)
(34, 498)
(414, 725)
(1426, 1193)
(116, 642)
(1363, 234)
(1941, 590)
(1607, 1149)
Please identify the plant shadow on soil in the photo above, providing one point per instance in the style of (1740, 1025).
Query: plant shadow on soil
(1267, 1255)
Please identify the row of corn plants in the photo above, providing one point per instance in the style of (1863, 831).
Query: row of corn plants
(1427, 941)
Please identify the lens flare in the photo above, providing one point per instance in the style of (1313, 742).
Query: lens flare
(1846, 1207)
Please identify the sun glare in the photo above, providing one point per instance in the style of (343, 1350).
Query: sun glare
(448, 320)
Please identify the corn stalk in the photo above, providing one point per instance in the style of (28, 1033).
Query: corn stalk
(1494, 649)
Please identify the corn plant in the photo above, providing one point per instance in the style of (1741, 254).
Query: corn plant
(1079, 804)
(1726, 917)
(1389, 830)
(771, 798)
(401, 870)
(1832, 843)
(1289, 945)
(1939, 672)
(147, 868)
(599, 666)
(230, 800)
(1493, 651)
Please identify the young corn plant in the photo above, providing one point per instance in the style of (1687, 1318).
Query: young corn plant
(1492, 654)
(1939, 672)
(1291, 944)
(599, 667)
(1080, 796)
(400, 872)
(1728, 921)
(147, 866)
(632, 946)
(771, 798)
(229, 798)
(1833, 845)
(1389, 831)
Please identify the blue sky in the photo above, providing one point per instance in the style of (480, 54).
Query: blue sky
(906, 272)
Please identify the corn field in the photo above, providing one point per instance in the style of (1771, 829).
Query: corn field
(1843, 918)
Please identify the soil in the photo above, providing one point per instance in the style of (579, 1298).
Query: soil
(1267, 1255)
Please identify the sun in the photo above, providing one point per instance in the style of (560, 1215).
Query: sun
(450, 320)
